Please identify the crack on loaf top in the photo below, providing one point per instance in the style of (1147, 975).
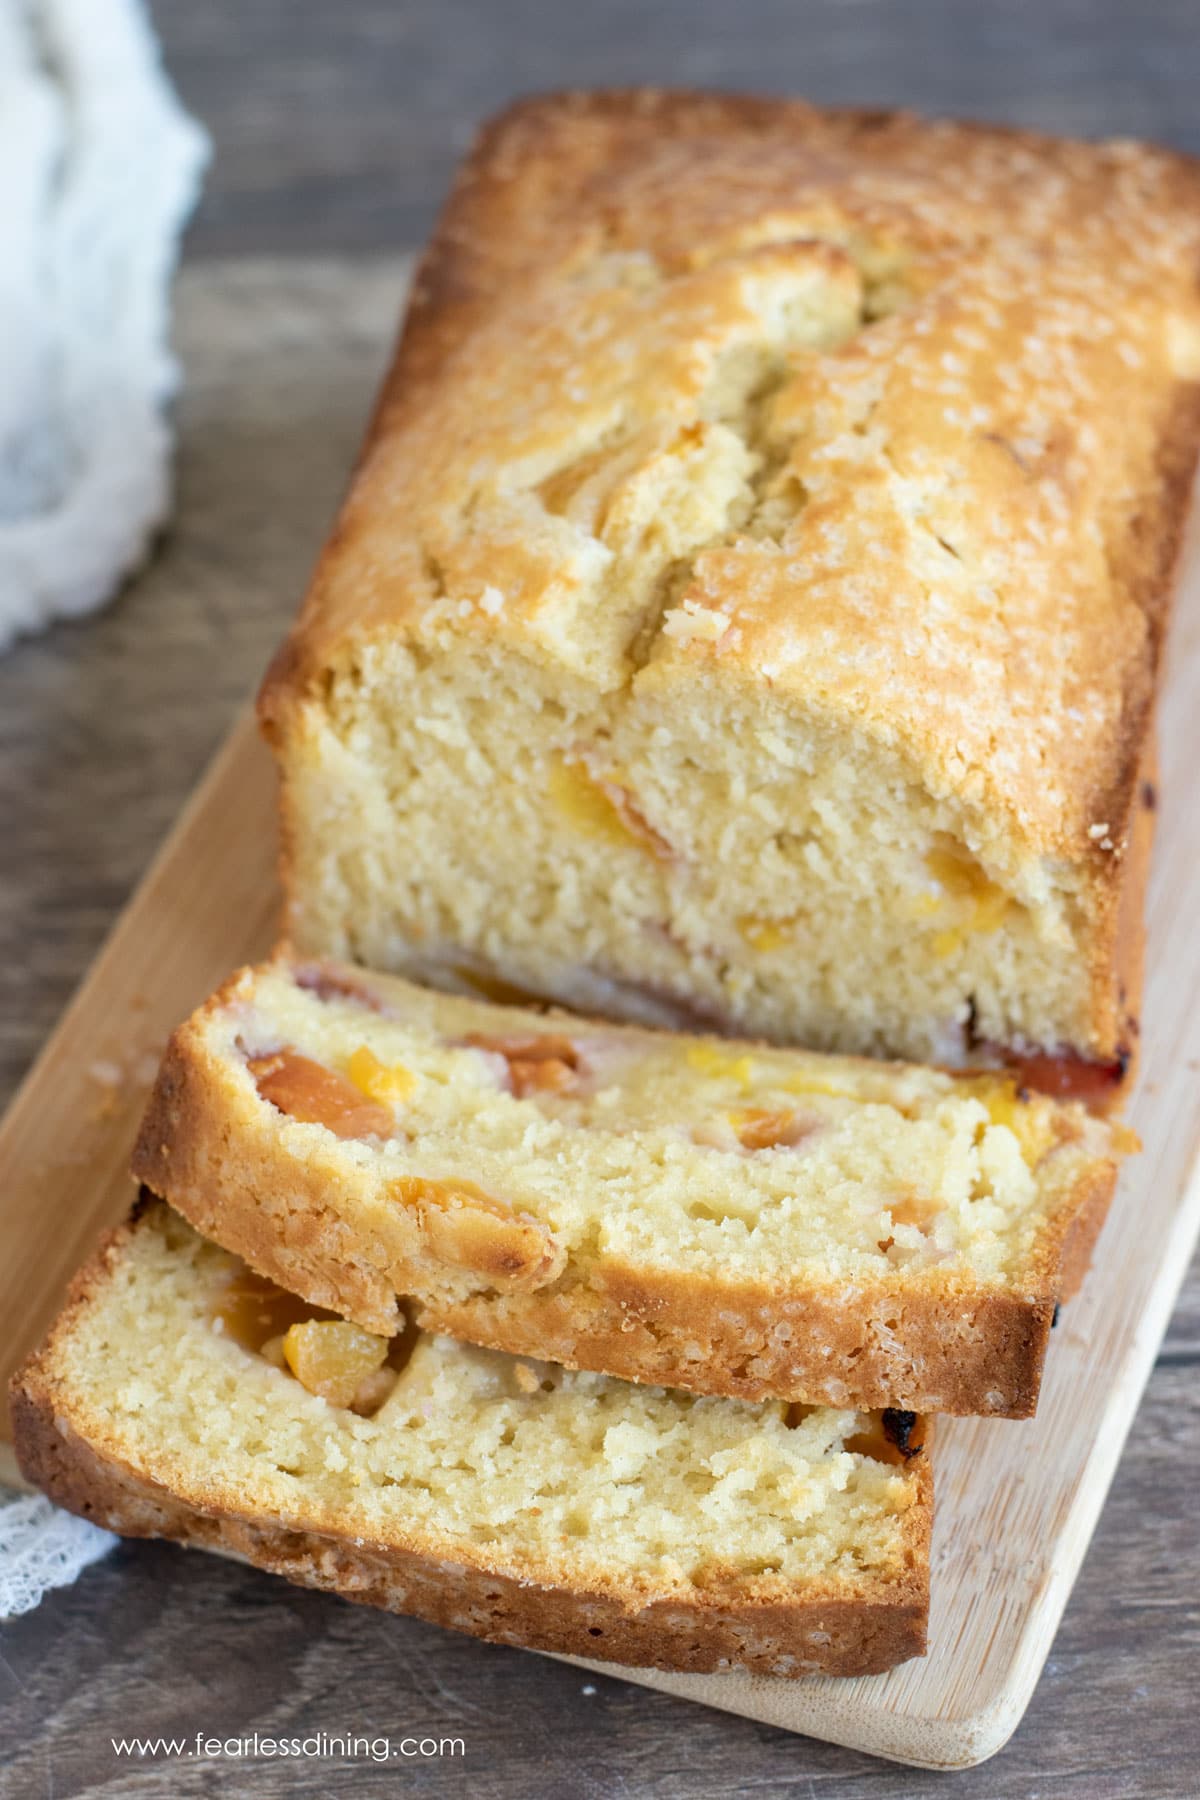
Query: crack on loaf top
(648, 434)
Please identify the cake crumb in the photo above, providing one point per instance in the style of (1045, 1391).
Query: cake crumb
(691, 623)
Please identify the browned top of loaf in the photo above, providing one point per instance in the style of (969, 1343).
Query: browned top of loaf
(959, 365)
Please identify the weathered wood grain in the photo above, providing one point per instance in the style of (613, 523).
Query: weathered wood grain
(105, 728)
(338, 126)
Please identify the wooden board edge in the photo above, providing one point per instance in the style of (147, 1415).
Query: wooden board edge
(231, 749)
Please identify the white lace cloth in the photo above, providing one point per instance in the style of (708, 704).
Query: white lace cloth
(98, 170)
(99, 167)
(41, 1547)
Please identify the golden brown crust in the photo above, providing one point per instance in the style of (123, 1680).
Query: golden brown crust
(1130, 804)
(65, 1453)
(957, 1345)
(957, 1352)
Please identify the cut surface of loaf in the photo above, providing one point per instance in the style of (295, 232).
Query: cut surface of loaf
(516, 1501)
(700, 1212)
(748, 603)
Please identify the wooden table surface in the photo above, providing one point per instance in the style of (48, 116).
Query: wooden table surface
(336, 129)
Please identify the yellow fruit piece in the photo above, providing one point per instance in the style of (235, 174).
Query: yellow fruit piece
(1003, 1106)
(601, 807)
(584, 803)
(706, 1059)
(991, 909)
(763, 1128)
(956, 871)
(332, 1358)
(1026, 1118)
(254, 1312)
(380, 1081)
(980, 902)
(815, 1084)
(763, 934)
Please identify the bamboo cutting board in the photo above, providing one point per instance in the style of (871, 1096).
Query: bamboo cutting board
(1016, 1502)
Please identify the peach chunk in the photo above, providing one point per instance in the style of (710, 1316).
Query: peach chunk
(601, 806)
(889, 1437)
(308, 1091)
(333, 1359)
(546, 1063)
(334, 984)
(253, 1310)
(912, 1209)
(466, 1228)
(1065, 1076)
(760, 1129)
(909, 1208)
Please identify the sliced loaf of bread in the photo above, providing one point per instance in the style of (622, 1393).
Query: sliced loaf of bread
(179, 1396)
(707, 1214)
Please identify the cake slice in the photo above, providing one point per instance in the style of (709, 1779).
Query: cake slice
(703, 1213)
(748, 605)
(179, 1396)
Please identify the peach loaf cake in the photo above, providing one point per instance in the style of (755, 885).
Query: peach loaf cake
(699, 1212)
(177, 1396)
(748, 603)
